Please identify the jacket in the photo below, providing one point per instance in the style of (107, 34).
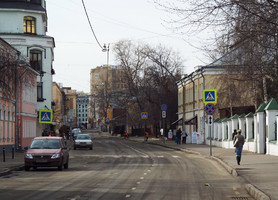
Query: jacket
(241, 140)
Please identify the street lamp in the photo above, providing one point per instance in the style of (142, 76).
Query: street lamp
(106, 49)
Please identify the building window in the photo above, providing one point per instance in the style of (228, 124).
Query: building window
(29, 25)
(36, 60)
(96, 76)
(40, 91)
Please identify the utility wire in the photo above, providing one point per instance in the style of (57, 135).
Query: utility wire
(91, 24)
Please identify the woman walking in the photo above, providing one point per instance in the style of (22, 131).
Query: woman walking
(238, 142)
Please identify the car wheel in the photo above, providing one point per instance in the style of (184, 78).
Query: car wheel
(27, 168)
(34, 168)
(66, 166)
(91, 148)
(74, 147)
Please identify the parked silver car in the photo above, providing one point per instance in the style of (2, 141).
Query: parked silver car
(83, 141)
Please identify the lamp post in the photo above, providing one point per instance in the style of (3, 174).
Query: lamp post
(106, 49)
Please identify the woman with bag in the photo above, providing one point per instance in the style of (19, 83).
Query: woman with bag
(238, 144)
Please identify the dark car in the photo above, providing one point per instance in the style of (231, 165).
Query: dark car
(47, 152)
(83, 141)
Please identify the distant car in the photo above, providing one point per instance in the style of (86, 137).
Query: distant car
(83, 141)
(75, 132)
(47, 152)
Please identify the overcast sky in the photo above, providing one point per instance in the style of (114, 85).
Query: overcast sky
(77, 51)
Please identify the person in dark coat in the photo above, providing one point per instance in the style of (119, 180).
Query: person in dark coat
(234, 133)
(238, 144)
(179, 136)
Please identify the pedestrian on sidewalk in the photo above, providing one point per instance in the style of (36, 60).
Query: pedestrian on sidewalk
(234, 134)
(126, 135)
(179, 136)
(238, 142)
(147, 135)
(184, 136)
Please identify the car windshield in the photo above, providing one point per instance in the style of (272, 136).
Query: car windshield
(83, 137)
(45, 144)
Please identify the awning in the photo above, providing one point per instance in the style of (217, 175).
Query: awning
(177, 121)
(192, 121)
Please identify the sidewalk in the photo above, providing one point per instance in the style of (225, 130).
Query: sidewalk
(11, 164)
(258, 171)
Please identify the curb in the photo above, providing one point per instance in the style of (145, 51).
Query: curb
(8, 171)
(256, 193)
(231, 170)
(5, 172)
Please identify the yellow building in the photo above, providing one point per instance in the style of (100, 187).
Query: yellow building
(70, 104)
(234, 96)
(58, 106)
(104, 82)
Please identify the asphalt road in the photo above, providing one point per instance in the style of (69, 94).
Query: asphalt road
(124, 169)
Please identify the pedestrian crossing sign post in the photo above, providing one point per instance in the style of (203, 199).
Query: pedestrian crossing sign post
(209, 96)
(45, 116)
(144, 115)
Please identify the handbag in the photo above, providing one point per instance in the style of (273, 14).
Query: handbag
(236, 142)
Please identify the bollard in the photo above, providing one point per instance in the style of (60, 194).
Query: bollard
(4, 154)
(13, 153)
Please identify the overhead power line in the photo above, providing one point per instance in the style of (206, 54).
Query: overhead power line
(91, 24)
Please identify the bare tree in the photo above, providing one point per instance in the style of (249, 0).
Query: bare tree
(248, 28)
(150, 73)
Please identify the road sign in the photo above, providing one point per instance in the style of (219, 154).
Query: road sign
(45, 116)
(210, 120)
(210, 108)
(209, 96)
(144, 115)
(163, 114)
(164, 107)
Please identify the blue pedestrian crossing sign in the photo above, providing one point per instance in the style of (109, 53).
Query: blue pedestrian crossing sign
(144, 115)
(209, 96)
(45, 116)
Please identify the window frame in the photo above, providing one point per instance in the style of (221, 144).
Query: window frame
(29, 25)
(35, 57)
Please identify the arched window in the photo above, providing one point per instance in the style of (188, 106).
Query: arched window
(29, 25)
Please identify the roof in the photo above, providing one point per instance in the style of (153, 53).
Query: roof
(47, 138)
(272, 105)
(21, 5)
(225, 119)
(249, 115)
(234, 117)
(261, 108)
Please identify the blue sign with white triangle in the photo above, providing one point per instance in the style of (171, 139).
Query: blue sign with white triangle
(45, 116)
(209, 96)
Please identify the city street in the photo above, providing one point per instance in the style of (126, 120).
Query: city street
(119, 168)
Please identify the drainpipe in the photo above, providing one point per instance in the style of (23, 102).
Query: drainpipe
(15, 113)
(204, 113)
(193, 96)
(183, 104)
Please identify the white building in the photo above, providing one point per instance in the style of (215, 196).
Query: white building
(82, 110)
(23, 24)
